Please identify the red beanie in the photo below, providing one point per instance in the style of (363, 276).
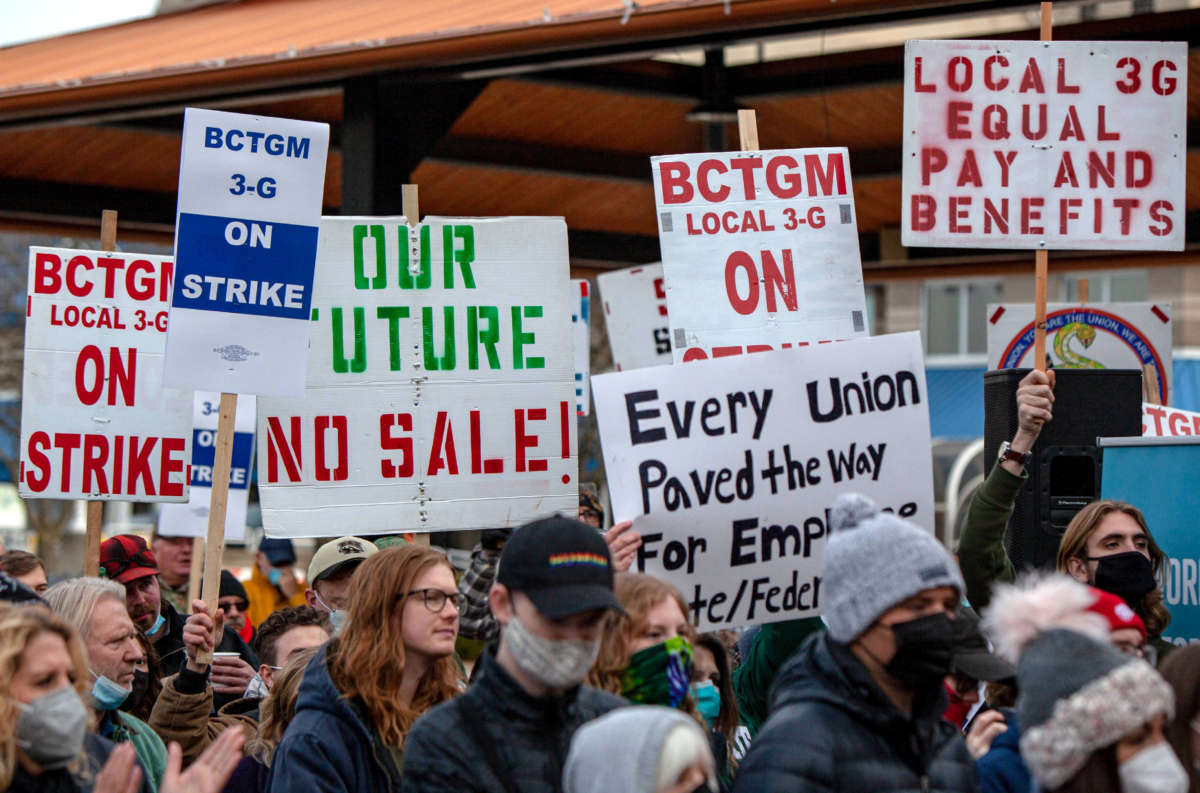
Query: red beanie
(1116, 611)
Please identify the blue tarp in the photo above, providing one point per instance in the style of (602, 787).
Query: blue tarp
(956, 397)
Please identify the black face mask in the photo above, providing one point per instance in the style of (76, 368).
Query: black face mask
(1128, 575)
(924, 650)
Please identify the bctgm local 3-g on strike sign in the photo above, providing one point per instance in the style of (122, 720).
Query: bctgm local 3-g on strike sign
(441, 382)
(728, 468)
(760, 250)
(250, 192)
(96, 422)
(1077, 144)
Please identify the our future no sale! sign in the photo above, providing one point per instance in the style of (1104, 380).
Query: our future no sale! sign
(1055, 145)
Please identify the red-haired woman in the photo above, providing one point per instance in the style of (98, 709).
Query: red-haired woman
(362, 692)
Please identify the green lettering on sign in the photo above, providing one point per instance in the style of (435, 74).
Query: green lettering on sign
(488, 338)
(393, 315)
(379, 280)
(432, 362)
(359, 363)
(520, 338)
(464, 256)
(423, 279)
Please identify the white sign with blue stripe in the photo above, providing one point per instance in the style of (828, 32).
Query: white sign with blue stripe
(250, 195)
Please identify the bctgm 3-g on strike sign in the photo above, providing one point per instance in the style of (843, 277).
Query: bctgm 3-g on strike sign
(1055, 145)
(250, 192)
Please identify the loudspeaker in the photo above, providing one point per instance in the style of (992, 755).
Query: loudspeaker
(1065, 472)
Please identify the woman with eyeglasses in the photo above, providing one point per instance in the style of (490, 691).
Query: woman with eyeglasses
(392, 661)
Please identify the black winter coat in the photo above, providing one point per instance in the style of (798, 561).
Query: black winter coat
(330, 745)
(530, 736)
(96, 751)
(832, 730)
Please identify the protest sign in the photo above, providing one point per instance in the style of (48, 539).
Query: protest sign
(1100, 336)
(441, 387)
(581, 328)
(191, 519)
(727, 467)
(635, 315)
(1051, 145)
(1161, 477)
(1159, 421)
(250, 191)
(760, 250)
(96, 421)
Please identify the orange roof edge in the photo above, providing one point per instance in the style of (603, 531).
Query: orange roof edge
(332, 61)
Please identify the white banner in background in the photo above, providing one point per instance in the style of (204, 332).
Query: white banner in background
(635, 315)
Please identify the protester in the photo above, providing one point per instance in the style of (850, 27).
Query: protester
(1107, 544)
(174, 556)
(1182, 672)
(712, 691)
(273, 585)
(330, 572)
(1091, 717)
(278, 707)
(286, 633)
(147, 681)
(127, 560)
(362, 692)
(642, 749)
(96, 609)
(476, 620)
(972, 664)
(15, 593)
(26, 568)
(234, 603)
(590, 511)
(511, 730)
(859, 706)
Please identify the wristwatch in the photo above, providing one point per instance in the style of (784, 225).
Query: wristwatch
(1009, 453)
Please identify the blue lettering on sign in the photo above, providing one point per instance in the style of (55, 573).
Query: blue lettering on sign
(244, 266)
(248, 140)
(204, 455)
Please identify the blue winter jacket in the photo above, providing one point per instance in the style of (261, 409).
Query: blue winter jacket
(330, 746)
(1002, 769)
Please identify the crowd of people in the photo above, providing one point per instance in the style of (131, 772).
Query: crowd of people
(549, 666)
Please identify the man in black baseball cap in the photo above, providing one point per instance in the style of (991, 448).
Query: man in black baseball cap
(514, 725)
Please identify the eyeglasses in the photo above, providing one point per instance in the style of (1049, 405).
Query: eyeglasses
(230, 605)
(435, 599)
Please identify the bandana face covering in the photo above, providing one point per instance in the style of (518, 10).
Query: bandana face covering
(659, 675)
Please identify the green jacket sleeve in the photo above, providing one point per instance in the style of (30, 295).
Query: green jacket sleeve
(773, 644)
(981, 554)
(148, 747)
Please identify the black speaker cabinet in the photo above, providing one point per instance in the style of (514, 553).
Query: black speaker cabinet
(1065, 475)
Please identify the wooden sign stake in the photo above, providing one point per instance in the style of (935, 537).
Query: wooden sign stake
(412, 212)
(215, 546)
(95, 509)
(196, 575)
(748, 130)
(1084, 294)
(1041, 257)
(1151, 391)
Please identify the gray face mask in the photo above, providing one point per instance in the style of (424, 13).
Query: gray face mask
(50, 729)
(555, 663)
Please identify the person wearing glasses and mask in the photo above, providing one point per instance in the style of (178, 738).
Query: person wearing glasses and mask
(362, 692)
(330, 572)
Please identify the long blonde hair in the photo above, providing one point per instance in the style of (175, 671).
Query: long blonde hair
(638, 594)
(19, 626)
(367, 659)
(278, 707)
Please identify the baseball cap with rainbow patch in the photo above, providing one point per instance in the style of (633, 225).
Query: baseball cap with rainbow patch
(560, 564)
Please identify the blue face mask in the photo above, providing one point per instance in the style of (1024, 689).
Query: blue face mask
(275, 576)
(107, 695)
(708, 700)
(158, 623)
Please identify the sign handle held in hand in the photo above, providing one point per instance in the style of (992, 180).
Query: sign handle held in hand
(412, 212)
(95, 509)
(196, 575)
(215, 546)
(1041, 257)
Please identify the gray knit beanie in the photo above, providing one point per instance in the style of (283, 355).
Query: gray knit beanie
(1078, 696)
(874, 561)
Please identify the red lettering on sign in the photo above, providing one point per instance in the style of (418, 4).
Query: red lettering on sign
(1031, 80)
(741, 260)
(564, 429)
(1126, 205)
(958, 212)
(1063, 87)
(831, 179)
(493, 465)
(139, 465)
(747, 165)
(1028, 131)
(676, 189)
(524, 441)
(969, 173)
(442, 455)
(1005, 158)
(171, 462)
(921, 86)
(702, 184)
(992, 215)
(957, 119)
(1031, 211)
(38, 441)
(933, 160)
(1071, 127)
(989, 79)
(791, 184)
(1157, 216)
(959, 74)
(1066, 212)
(923, 212)
(321, 426)
(73, 285)
(388, 442)
(1066, 172)
(1163, 86)
(46, 280)
(1132, 158)
(279, 446)
(95, 452)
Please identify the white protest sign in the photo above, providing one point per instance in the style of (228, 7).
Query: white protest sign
(1058, 145)
(96, 422)
(1097, 336)
(760, 250)
(727, 467)
(191, 519)
(441, 382)
(635, 315)
(581, 328)
(250, 192)
(1160, 420)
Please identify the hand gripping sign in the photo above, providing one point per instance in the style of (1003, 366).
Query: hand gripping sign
(96, 422)
(441, 382)
(191, 519)
(760, 250)
(635, 315)
(1055, 145)
(728, 467)
(250, 192)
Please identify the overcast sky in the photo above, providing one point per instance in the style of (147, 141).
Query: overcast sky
(25, 20)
